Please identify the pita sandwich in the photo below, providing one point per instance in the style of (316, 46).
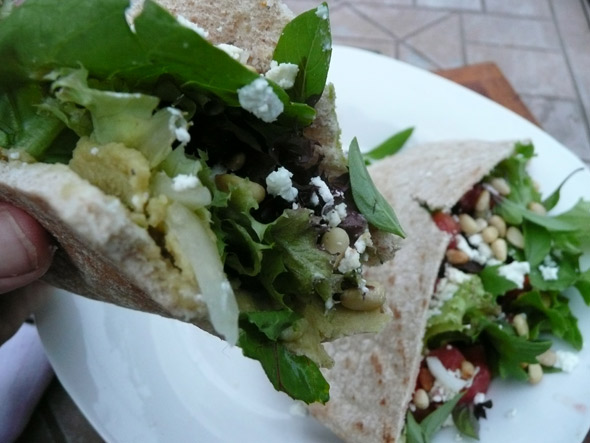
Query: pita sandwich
(188, 165)
(374, 376)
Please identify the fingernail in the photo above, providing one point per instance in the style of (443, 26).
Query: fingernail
(18, 255)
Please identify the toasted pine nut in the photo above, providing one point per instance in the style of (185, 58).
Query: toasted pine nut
(535, 373)
(467, 369)
(498, 222)
(457, 257)
(515, 237)
(335, 241)
(483, 201)
(481, 224)
(425, 379)
(500, 185)
(489, 234)
(537, 208)
(468, 224)
(421, 400)
(547, 358)
(358, 299)
(500, 249)
(521, 325)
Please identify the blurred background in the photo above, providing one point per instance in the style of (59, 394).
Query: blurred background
(541, 46)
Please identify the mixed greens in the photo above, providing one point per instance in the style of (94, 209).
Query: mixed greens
(187, 138)
(502, 295)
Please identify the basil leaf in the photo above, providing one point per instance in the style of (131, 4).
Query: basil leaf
(296, 375)
(537, 243)
(465, 421)
(306, 41)
(434, 420)
(366, 196)
(413, 430)
(389, 147)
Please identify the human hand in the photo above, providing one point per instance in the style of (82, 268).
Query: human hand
(25, 255)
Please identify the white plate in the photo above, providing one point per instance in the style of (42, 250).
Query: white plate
(139, 377)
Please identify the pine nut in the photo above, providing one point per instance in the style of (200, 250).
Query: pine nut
(521, 325)
(483, 201)
(547, 358)
(489, 234)
(468, 224)
(456, 257)
(500, 249)
(535, 373)
(358, 299)
(425, 379)
(537, 208)
(467, 369)
(500, 185)
(498, 222)
(515, 237)
(481, 224)
(335, 241)
(421, 400)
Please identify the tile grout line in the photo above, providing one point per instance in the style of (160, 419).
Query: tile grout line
(568, 64)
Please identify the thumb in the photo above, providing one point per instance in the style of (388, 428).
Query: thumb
(25, 248)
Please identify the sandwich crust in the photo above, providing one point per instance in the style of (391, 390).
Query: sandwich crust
(374, 376)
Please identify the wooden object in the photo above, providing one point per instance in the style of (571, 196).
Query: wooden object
(487, 79)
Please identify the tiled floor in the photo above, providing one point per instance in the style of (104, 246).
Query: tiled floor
(542, 47)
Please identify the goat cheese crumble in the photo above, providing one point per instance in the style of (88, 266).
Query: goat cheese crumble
(259, 98)
(323, 189)
(234, 52)
(350, 262)
(283, 74)
(279, 184)
(183, 182)
(515, 272)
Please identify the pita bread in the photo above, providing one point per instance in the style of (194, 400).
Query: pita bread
(374, 376)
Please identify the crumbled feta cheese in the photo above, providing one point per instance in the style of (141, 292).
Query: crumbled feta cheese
(14, 155)
(322, 12)
(329, 304)
(446, 289)
(549, 269)
(333, 218)
(482, 253)
(323, 189)
(259, 98)
(139, 200)
(363, 242)
(314, 199)
(478, 398)
(94, 150)
(283, 74)
(278, 183)
(183, 182)
(566, 361)
(178, 125)
(350, 261)
(190, 25)
(515, 272)
(234, 52)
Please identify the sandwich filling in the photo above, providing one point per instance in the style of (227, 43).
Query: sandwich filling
(213, 160)
(499, 300)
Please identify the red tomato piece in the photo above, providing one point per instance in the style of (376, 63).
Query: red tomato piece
(450, 357)
(482, 379)
(446, 222)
